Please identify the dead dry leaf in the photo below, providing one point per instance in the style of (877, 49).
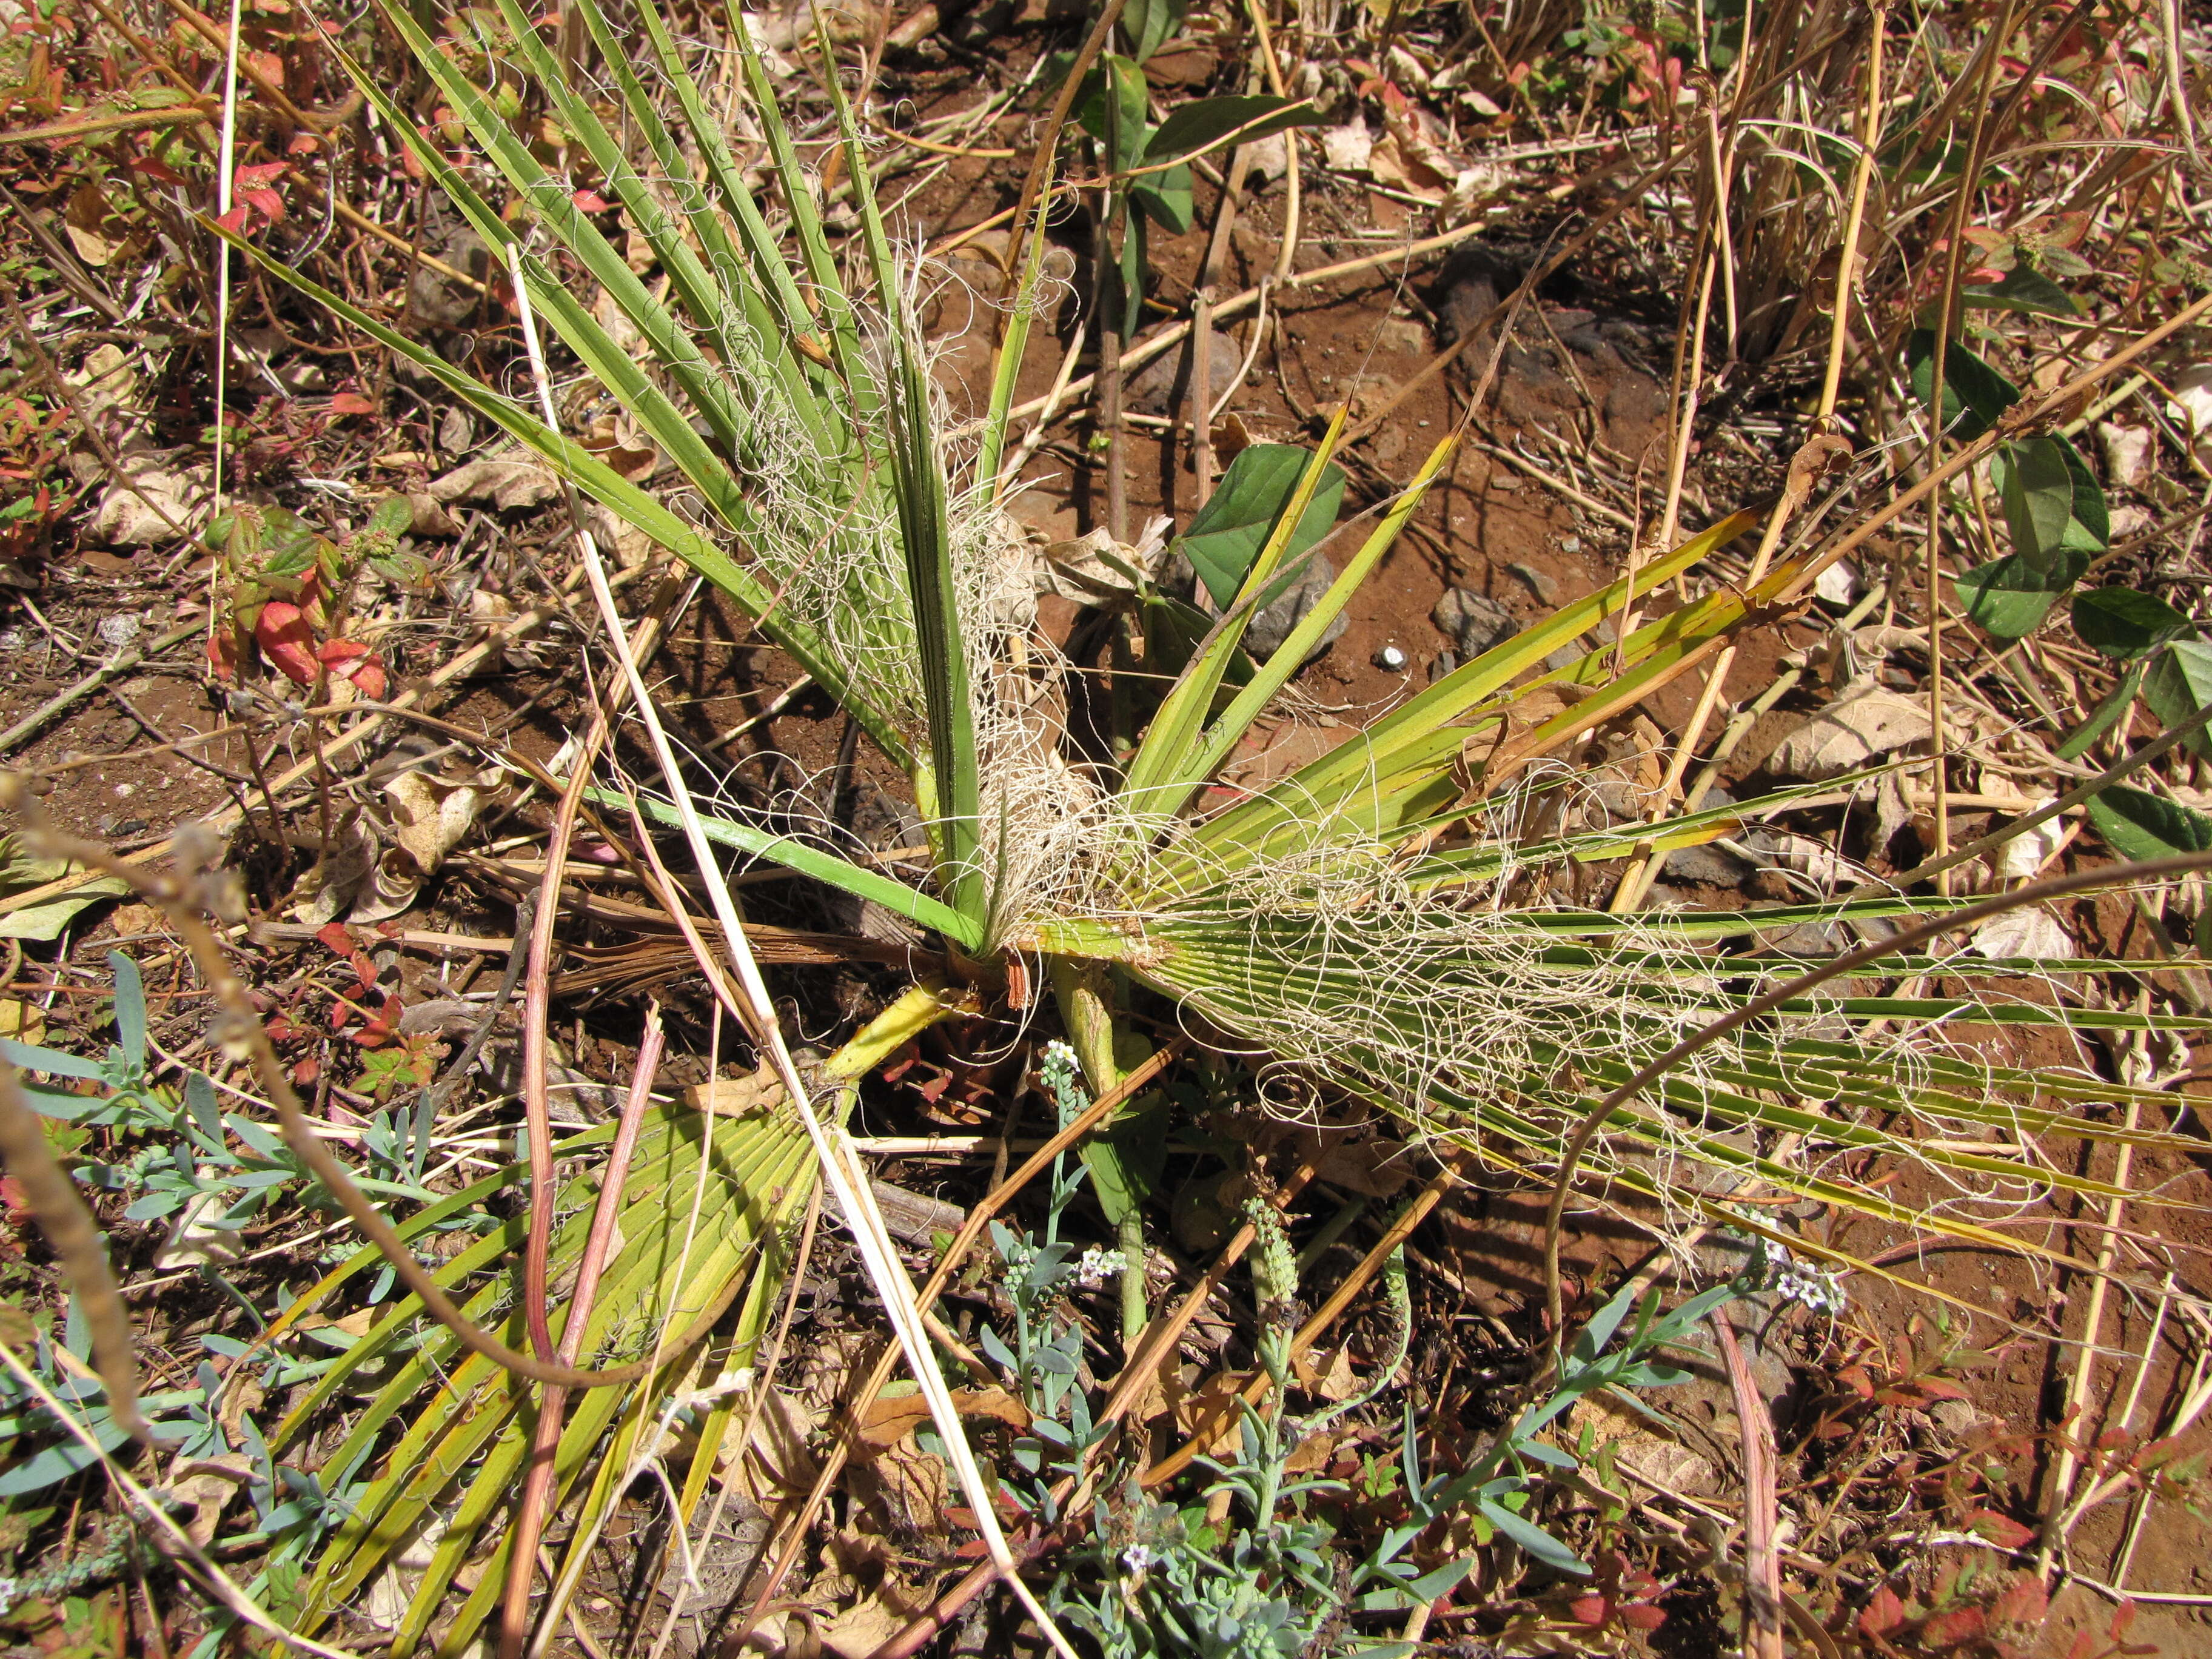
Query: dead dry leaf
(506, 481)
(2031, 931)
(1865, 721)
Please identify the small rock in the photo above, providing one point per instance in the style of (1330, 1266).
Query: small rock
(1443, 663)
(1471, 622)
(1165, 380)
(1404, 335)
(1272, 626)
(1391, 660)
(1707, 865)
(1570, 544)
(1545, 589)
(120, 629)
(135, 516)
(1816, 940)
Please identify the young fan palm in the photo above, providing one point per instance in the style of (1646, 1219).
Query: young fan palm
(1358, 920)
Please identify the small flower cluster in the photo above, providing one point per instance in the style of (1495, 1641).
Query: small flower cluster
(1058, 1071)
(1772, 1267)
(1095, 1267)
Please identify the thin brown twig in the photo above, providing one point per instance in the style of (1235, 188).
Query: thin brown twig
(530, 1510)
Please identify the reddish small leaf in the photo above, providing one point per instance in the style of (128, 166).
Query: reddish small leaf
(1948, 1630)
(156, 169)
(1591, 1610)
(333, 937)
(2025, 1603)
(1884, 1612)
(351, 403)
(222, 656)
(16, 1200)
(286, 641)
(307, 1071)
(303, 143)
(591, 201)
(2001, 1530)
(267, 202)
(233, 221)
(261, 173)
(1642, 1615)
(356, 664)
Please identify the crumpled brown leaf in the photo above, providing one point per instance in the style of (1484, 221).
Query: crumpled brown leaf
(508, 480)
(431, 811)
(1864, 721)
(208, 1485)
(130, 514)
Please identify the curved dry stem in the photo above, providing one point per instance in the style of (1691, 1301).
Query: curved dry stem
(51, 1197)
(1850, 961)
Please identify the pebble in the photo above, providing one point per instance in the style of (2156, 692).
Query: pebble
(1391, 660)
(119, 629)
(1471, 622)
(1543, 586)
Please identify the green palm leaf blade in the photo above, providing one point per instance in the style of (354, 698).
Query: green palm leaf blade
(688, 1236)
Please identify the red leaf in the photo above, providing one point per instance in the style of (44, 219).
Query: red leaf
(1949, 1629)
(2000, 1529)
(351, 403)
(160, 171)
(1590, 1610)
(353, 662)
(333, 937)
(18, 1201)
(260, 172)
(590, 202)
(1642, 1615)
(307, 1071)
(303, 143)
(233, 221)
(1883, 1613)
(222, 656)
(267, 202)
(286, 641)
(1856, 1378)
(2025, 1603)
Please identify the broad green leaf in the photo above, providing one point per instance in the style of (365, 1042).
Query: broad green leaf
(21, 870)
(1204, 120)
(2125, 624)
(1226, 732)
(1227, 533)
(1974, 394)
(1118, 122)
(2137, 824)
(2179, 684)
(1165, 199)
(1149, 24)
(2037, 490)
(2024, 291)
(2009, 598)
